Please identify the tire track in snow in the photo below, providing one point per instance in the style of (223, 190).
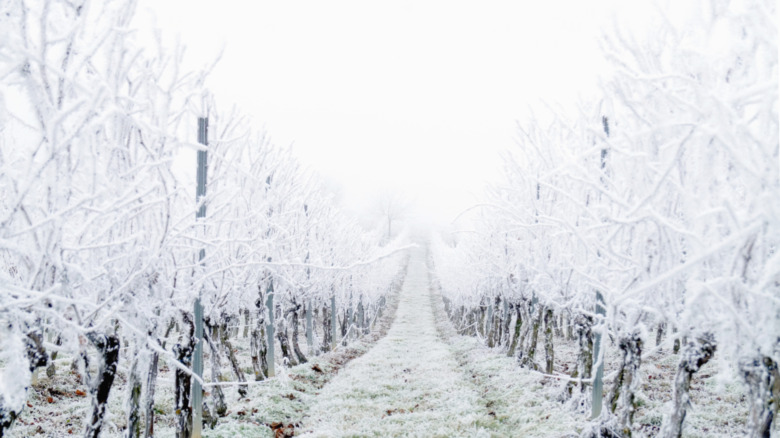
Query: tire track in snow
(409, 383)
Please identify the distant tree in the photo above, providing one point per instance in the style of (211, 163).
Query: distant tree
(391, 208)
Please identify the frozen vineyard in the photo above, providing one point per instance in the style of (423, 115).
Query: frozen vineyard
(648, 226)
(102, 253)
(624, 281)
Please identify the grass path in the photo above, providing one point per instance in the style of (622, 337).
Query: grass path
(409, 383)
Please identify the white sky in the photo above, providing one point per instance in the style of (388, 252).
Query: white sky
(414, 96)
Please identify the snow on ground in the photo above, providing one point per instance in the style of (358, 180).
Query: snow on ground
(522, 403)
(420, 379)
(277, 407)
(57, 406)
(416, 383)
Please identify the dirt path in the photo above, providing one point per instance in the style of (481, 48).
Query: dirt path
(409, 383)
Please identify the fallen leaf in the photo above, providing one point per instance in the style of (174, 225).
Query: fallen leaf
(80, 393)
(50, 400)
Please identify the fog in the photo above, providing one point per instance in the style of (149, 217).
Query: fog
(414, 98)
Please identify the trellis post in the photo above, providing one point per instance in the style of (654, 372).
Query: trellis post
(197, 360)
(270, 329)
(598, 356)
(333, 320)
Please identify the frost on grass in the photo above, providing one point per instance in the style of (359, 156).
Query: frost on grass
(59, 404)
(423, 381)
(520, 402)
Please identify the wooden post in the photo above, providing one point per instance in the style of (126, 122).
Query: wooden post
(197, 360)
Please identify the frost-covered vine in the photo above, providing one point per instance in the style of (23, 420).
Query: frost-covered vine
(662, 198)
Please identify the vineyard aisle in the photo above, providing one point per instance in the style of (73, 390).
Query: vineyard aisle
(415, 382)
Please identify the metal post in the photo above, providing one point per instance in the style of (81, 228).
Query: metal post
(309, 326)
(333, 321)
(309, 334)
(269, 304)
(197, 360)
(604, 150)
(489, 322)
(598, 355)
(361, 317)
(347, 320)
(598, 379)
(506, 320)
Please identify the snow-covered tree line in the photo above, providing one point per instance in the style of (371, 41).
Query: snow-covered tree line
(662, 198)
(101, 253)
